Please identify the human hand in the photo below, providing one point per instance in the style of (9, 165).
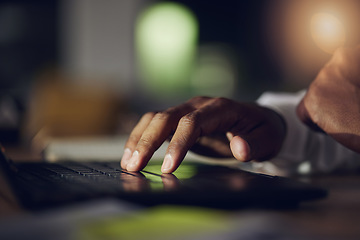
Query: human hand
(217, 126)
(332, 102)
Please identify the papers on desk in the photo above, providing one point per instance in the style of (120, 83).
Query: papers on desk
(91, 149)
(85, 149)
(108, 149)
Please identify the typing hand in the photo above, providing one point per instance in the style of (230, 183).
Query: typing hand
(332, 102)
(217, 127)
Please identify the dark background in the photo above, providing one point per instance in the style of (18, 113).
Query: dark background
(30, 41)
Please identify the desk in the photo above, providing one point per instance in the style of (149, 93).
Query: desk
(336, 217)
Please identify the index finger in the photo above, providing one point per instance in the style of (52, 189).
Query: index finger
(160, 127)
(203, 121)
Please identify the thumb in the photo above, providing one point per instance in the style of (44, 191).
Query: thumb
(259, 147)
(259, 136)
(261, 143)
(247, 148)
(239, 148)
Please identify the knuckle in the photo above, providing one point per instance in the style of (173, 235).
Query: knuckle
(221, 102)
(192, 122)
(133, 138)
(147, 142)
(191, 119)
(162, 116)
(180, 143)
(199, 99)
(149, 115)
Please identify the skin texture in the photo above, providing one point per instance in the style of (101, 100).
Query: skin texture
(218, 127)
(332, 102)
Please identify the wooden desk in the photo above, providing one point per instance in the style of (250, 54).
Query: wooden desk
(336, 217)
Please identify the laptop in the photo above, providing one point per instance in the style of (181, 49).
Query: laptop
(45, 185)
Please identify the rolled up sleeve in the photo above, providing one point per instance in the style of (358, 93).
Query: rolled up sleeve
(304, 151)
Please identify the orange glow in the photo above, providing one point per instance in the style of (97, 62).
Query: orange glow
(327, 31)
(295, 42)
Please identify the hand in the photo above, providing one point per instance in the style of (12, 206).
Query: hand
(332, 102)
(214, 126)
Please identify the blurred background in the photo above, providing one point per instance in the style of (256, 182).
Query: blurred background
(72, 68)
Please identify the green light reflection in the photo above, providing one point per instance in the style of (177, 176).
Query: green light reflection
(184, 171)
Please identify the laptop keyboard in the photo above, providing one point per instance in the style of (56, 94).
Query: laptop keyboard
(107, 176)
(90, 178)
(66, 181)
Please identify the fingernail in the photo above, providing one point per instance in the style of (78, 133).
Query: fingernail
(240, 149)
(167, 164)
(246, 152)
(229, 136)
(126, 157)
(133, 162)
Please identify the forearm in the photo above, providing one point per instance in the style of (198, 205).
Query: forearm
(304, 150)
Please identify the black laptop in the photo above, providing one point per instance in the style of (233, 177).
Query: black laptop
(46, 185)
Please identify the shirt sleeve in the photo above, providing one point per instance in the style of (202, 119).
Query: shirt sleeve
(304, 151)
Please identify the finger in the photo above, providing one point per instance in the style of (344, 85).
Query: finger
(184, 137)
(134, 138)
(240, 148)
(262, 142)
(203, 121)
(162, 125)
(245, 149)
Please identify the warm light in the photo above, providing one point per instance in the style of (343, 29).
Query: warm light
(327, 31)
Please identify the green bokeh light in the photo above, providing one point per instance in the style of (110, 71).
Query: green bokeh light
(166, 39)
(215, 73)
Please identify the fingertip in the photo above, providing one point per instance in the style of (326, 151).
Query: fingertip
(125, 158)
(134, 162)
(240, 149)
(167, 165)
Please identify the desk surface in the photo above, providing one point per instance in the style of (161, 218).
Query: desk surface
(335, 217)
